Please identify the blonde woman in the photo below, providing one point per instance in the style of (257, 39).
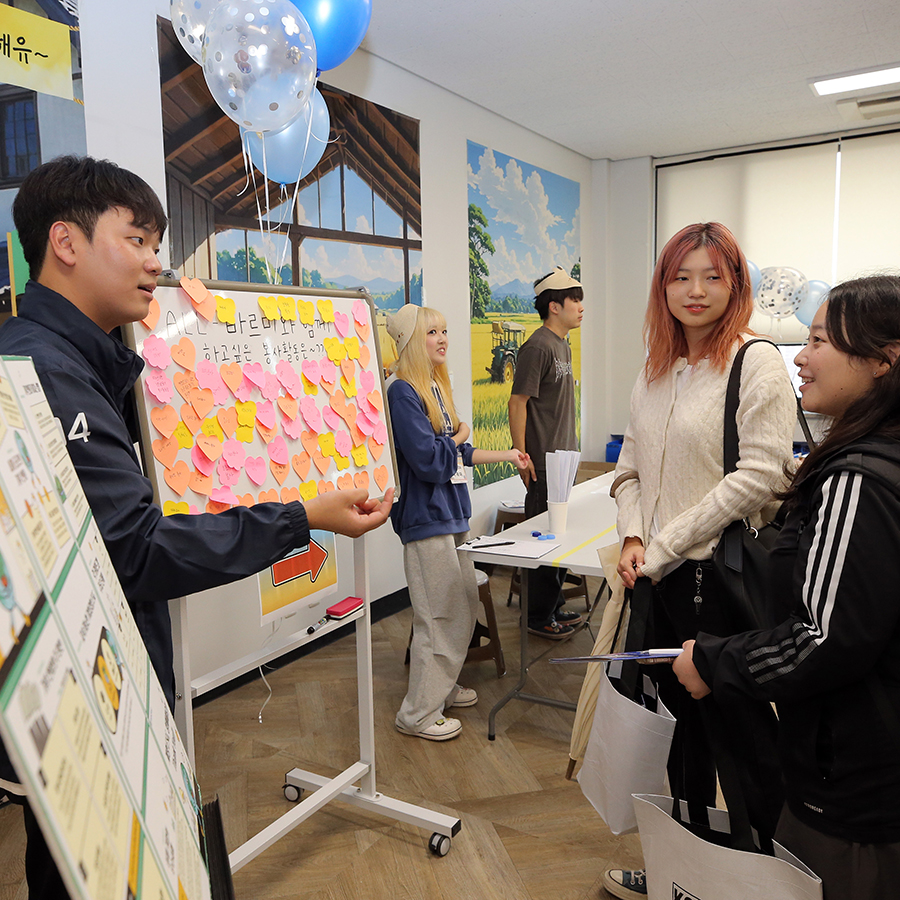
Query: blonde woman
(432, 520)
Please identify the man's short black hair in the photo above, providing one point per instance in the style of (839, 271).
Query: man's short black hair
(545, 298)
(79, 190)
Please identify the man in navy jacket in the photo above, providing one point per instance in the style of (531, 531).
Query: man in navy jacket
(90, 232)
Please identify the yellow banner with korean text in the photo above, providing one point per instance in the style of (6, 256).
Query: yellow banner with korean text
(35, 53)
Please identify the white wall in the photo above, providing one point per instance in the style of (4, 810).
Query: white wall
(123, 121)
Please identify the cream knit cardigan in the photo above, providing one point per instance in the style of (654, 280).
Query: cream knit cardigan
(673, 451)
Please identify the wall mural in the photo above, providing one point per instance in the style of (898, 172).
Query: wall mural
(523, 221)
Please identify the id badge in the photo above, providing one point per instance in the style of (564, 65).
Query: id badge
(459, 477)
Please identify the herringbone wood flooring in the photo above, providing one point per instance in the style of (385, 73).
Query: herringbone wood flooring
(527, 832)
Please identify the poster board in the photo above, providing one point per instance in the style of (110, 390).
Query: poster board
(82, 714)
(253, 393)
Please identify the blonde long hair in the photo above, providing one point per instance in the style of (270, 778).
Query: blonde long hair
(415, 368)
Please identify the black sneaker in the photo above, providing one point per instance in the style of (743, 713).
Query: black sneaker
(553, 631)
(565, 617)
(625, 883)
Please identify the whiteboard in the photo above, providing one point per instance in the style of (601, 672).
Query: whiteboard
(256, 393)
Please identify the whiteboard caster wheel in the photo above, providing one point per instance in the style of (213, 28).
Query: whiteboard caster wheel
(292, 793)
(439, 844)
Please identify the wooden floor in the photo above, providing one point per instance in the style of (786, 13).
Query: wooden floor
(527, 832)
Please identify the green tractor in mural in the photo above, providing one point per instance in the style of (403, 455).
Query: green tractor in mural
(506, 339)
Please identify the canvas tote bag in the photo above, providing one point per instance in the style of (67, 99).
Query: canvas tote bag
(682, 866)
(626, 752)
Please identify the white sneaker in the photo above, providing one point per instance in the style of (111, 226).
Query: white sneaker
(442, 730)
(464, 697)
(625, 883)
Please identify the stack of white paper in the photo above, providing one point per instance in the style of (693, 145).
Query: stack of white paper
(562, 466)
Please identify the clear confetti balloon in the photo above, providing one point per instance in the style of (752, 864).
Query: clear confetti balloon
(259, 60)
(189, 19)
(781, 291)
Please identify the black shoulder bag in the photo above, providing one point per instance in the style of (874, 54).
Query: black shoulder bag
(741, 558)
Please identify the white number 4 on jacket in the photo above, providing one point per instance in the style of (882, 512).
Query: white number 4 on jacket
(79, 429)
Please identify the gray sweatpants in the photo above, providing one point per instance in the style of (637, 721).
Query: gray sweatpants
(444, 596)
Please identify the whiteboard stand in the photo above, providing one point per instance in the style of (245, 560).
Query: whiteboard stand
(344, 787)
(184, 716)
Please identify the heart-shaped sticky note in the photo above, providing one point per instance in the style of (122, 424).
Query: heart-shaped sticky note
(203, 301)
(375, 398)
(228, 420)
(356, 435)
(159, 386)
(287, 309)
(380, 433)
(334, 349)
(269, 307)
(331, 418)
(308, 387)
(365, 424)
(201, 461)
(232, 375)
(325, 487)
(268, 496)
(186, 384)
(224, 495)
(178, 476)
(328, 371)
(288, 407)
(345, 482)
(278, 451)
(200, 483)
(183, 435)
(308, 489)
(212, 427)
(208, 377)
(361, 480)
(364, 356)
(310, 368)
(209, 446)
(270, 387)
(255, 467)
(190, 418)
(246, 500)
(288, 378)
(300, 462)
(265, 414)
(326, 310)
(164, 419)
(360, 311)
(363, 330)
(156, 351)
(267, 434)
(360, 457)
(172, 508)
(290, 495)
(367, 381)
(341, 323)
(306, 311)
(254, 373)
(149, 321)
(310, 441)
(165, 450)
(185, 353)
(348, 387)
(322, 462)
(203, 401)
(381, 476)
(225, 309)
(279, 471)
(375, 448)
(348, 367)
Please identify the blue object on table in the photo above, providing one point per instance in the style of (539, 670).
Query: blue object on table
(614, 447)
(547, 537)
(535, 534)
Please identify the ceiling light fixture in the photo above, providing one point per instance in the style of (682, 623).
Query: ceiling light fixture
(860, 81)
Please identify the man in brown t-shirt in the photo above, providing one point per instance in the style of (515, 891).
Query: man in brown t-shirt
(541, 420)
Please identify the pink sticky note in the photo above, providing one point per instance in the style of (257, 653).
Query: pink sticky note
(342, 442)
(255, 467)
(160, 386)
(365, 424)
(367, 380)
(278, 451)
(310, 369)
(265, 414)
(360, 312)
(271, 387)
(364, 405)
(287, 375)
(341, 324)
(332, 419)
(311, 414)
(233, 453)
(224, 495)
(293, 427)
(208, 377)
(253, 372)
(243, 391)
(227, 475)
(202, 463)
(156, 352)
(380, 433)
(327, 370)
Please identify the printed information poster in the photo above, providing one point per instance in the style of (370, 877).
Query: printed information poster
(81, 712)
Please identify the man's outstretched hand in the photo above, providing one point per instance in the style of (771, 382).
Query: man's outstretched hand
(348, 512)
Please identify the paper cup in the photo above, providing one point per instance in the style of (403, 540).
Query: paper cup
(557, 514)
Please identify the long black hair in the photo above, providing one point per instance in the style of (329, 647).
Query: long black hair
(862, 319)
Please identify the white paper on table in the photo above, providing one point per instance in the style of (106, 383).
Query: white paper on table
(523, 549)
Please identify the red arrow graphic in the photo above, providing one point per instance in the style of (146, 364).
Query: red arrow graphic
(307, 562)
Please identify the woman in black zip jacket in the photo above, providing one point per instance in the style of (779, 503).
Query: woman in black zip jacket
(833, 666)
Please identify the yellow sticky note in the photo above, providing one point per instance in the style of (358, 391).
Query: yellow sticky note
(38, 56)
(269, 307)
(334, 349)
(360, 456)
(246, 412)
(306, 311)
(308, 489)
(352, 345)
(170, 508)
(225, 309)
(308, 386)
(183, 435)
(244, 433)
(212, 427)
(287, 308)
(326, 443)
(326, 310)
(342, 462)
(348, 387)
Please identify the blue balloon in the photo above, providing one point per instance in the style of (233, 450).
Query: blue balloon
(338, 27)
(755, 276)
(280, 154)
(815, 297)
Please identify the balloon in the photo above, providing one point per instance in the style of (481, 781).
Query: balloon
(339, 27)
(280, 154)
(781, 291)
(753, 269)
(259, 60)
(815, 297)
(189, 18)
